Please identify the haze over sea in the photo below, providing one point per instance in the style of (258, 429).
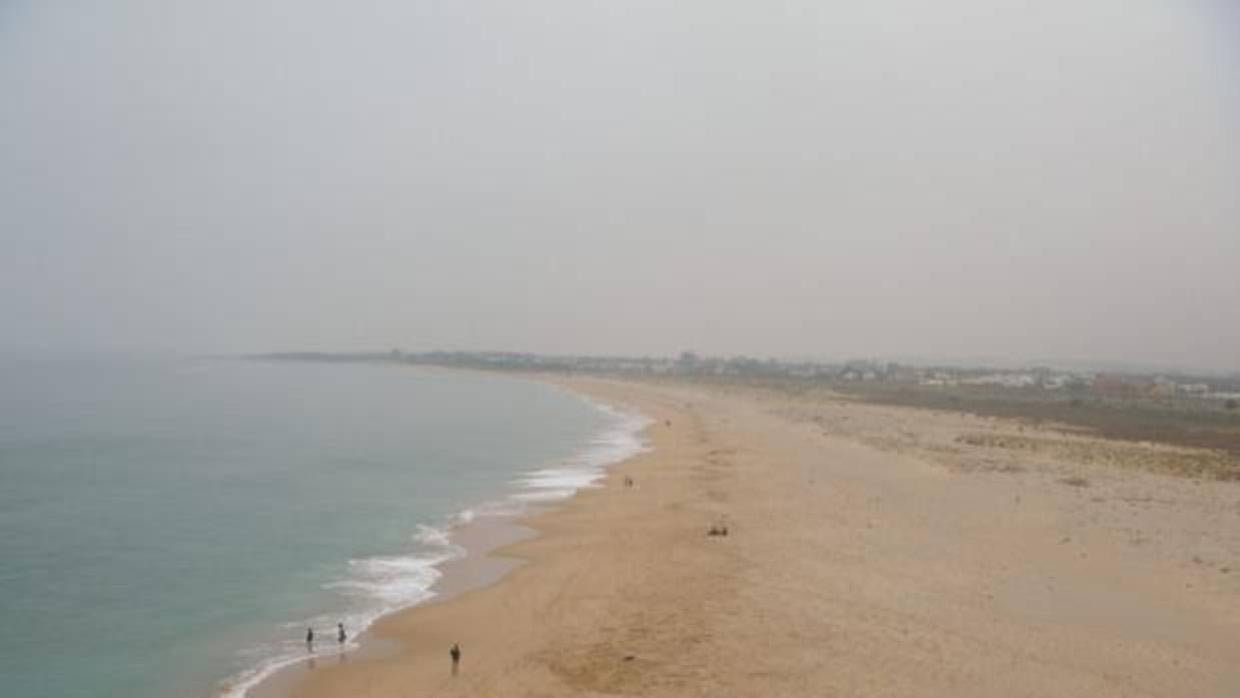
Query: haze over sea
(169, 528)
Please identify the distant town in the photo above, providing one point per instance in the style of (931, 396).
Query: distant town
(857, 373)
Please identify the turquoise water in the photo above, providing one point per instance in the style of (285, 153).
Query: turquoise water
(170, 528)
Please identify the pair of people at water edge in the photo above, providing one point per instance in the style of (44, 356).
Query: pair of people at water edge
(341, 636)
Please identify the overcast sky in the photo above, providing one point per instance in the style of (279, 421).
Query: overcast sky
(973, 178)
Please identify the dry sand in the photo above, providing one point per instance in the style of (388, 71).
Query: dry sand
(873, 551)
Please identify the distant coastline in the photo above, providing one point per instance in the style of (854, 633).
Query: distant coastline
(1179, 409)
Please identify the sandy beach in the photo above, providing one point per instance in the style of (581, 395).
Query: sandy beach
(872, 551)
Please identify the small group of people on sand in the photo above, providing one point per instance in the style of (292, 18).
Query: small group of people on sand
(342, 636)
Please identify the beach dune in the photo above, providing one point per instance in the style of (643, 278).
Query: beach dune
(852, 567)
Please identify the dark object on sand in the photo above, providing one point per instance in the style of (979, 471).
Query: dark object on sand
(628, 481)
(455, 653)
(718, 530)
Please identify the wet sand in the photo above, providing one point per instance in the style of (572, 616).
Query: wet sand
(872, 551)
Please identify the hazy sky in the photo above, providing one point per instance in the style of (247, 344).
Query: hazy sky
(941, 179)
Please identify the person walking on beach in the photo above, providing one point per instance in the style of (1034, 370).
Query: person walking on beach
(309, 639)
(340, 634)
(455, 652)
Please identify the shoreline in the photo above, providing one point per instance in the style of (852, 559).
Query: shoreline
(872, 552)
(482, 534)
(481, 566)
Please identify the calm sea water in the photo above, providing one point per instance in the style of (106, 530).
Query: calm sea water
(170, 528)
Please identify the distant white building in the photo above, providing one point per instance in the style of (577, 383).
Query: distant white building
(1057, 382)
(1006, 380)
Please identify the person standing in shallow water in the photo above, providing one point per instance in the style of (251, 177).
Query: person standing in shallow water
(340, 634)
(309, 639)
(455, 652)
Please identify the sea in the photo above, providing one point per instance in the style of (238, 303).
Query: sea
(171, 527)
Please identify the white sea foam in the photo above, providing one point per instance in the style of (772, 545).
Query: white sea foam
(503, 507)
(396, 581)
(620, 441)
(392, 583)
(431, 535)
